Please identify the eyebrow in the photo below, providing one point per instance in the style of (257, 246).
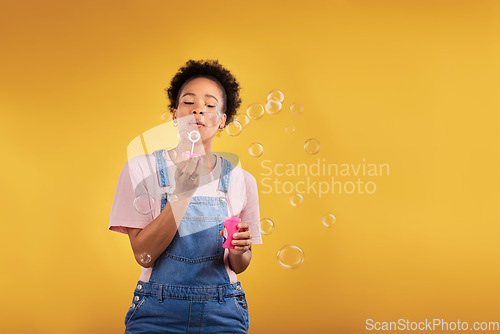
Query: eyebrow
(207, 95)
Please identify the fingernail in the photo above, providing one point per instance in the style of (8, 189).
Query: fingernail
(235, 236)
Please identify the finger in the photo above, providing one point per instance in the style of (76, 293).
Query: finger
(242, 235)
(241, 243)
(191, 166)
(243, 226)
(198, 166)
(239, 250)
(183, 163)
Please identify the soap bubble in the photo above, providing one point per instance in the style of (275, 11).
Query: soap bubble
(273, 107)
(296, 200)
(255, 111)
(234, 128)
(211, 115)
(166, 116)
(296, 108)
(329, 220)
(266, 226)
(172, 153)
(243, 119)
(276, 95)
(145, 258)
(256, 149)
(144, 204)
(173, 198)
(290, 129)
(311, 146)
(290, 256)
(183, 136)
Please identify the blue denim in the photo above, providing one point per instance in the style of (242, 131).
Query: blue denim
(189, 290)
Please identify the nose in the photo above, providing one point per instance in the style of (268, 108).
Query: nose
(197, 111)
(198, 108)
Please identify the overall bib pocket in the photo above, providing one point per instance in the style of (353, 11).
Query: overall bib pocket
(197, 239)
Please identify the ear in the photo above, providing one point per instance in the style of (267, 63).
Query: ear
(223, 120)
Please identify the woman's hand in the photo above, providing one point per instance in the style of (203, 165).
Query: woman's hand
(242, 239)
(187, 176)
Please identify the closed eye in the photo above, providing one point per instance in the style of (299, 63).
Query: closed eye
(188, 102)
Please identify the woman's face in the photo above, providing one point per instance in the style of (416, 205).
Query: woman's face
(200, 108)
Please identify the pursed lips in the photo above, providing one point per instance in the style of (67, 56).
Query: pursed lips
(197, 123)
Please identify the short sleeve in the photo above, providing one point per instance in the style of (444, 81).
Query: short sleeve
(123, 210)
(250, 213)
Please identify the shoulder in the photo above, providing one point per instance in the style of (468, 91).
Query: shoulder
(239, 174)
(144, 164)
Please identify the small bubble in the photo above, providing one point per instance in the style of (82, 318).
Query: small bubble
(256, 149)
(290, 256)
(145, 258)
(266, 226)
(329, 220)
(166, 116)
(173, 198)
(255, 111)
(311, 146)
(243, 119)
(296, 200)
(144, 204)
(297, 108)
(290, 129)
(273, 107)
(183, 136)
(169, 153)
(234, 128)
(276, 95)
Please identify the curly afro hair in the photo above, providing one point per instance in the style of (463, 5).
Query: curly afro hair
(210, 69)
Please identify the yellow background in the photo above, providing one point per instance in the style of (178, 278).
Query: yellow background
(413, 84)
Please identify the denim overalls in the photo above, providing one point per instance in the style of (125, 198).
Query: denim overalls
(189, 290)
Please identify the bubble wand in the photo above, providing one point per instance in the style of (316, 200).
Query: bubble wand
(193, 137)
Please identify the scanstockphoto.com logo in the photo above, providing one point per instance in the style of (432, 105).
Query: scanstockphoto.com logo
(321, 178)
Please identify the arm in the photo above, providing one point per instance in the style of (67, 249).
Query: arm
(239, 263)
(239, 257)
(157, 235)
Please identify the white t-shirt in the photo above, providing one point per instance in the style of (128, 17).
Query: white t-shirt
(140, 176)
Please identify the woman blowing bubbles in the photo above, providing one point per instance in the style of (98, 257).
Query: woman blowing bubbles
(188, 282)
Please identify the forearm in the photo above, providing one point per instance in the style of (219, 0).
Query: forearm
(239, 262)
(158, 234)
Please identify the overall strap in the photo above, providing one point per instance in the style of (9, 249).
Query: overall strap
(161, 164)
(227, 167)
